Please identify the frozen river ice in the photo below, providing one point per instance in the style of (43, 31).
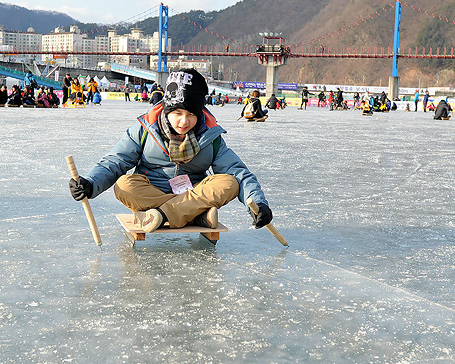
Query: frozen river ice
(366, 203)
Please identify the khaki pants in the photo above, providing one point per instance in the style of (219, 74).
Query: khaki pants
(137, 193)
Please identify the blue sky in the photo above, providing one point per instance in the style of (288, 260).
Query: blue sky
(113, 11)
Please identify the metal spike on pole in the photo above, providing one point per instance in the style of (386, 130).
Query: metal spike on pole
(269, 227)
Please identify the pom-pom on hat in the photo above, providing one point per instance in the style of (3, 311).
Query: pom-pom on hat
(185, 89)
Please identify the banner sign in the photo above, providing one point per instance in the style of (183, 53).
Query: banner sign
(287, 86)
(361, 89)
(262, 85)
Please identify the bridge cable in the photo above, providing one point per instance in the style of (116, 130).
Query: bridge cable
(195, 24)
(351, 26)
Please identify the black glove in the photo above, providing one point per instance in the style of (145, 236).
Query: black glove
(80, 188)
(263, 217)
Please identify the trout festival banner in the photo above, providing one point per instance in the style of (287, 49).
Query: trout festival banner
(262, 85)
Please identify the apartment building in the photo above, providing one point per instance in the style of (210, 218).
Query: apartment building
(136, 41)
(14, 42)
(59, 41)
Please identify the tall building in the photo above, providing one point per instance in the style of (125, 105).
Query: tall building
(61, 41)
(136, 41)
(101, 45)
(15, 42)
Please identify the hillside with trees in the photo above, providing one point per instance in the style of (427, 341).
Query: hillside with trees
(19, 18)
(305, 23)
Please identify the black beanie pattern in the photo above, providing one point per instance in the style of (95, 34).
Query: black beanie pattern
(185, 89)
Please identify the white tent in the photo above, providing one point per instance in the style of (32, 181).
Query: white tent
(97, 80)
(104, 82)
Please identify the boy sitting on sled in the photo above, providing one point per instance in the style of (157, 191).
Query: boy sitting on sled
(171, 149)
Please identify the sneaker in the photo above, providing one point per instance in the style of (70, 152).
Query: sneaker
(208, 219)
(149, 220)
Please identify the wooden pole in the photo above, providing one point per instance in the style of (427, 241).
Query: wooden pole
(269, 227)
(85, 203)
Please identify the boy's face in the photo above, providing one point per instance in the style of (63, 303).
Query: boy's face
(182, 120)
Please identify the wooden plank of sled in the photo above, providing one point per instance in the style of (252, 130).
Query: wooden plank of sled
(76, 105)
(135, 233)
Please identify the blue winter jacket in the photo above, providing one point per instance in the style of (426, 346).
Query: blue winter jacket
(96, 98)
(28, 78)
(153, 159)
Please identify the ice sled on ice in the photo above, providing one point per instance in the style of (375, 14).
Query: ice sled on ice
(135, 233)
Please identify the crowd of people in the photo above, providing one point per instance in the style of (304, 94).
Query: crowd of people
(153, 97)
(216, 99)
(75, 93)
(368, 103)
(33, 95)
(27, 97)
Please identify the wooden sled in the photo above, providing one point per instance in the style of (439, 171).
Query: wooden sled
(135, 233)
(10, 105)
(76, 105)
(30, 106)
(447, 118)
(258, 119)
(367, 113)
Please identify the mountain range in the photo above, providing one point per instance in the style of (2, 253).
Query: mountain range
(14, 17)
(337, 24)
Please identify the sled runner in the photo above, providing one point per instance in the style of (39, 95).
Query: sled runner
(135, 233)
(70, 105)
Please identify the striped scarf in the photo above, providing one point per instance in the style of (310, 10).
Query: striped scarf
(182, 148)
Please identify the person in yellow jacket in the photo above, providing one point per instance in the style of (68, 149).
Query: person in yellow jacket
(91, 89)
(76, 92)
